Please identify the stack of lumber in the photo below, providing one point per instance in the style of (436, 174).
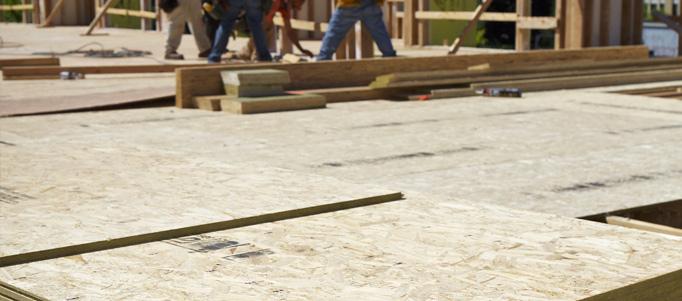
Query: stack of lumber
(532, 77)
(258, 91)
(334, 79)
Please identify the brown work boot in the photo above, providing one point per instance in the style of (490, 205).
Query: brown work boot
(205, 53)
(174, 56)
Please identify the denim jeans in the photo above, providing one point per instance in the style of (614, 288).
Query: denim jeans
(344, 18)
(254, 17)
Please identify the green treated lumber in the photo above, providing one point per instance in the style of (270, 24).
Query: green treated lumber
(252, 105)
(255, 77)
(192, 230)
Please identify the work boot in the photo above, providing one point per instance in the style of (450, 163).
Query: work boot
(205, 53)
(174, 56)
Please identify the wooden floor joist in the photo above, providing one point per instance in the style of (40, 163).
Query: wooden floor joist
(352, 73)
(16, 72)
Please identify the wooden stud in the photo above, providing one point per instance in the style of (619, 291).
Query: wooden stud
(638, 22)
(523, 9)
(422, 24)
(574, 24)
(604, 22)
(351, 42)
(410, 30)
(470, 26)
(560, 31)
(626, 28)
(366, 43)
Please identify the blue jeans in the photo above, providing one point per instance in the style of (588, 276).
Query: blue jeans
(344, 18)
(254, 17)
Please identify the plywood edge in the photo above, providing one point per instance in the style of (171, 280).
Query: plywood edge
(193, 230)
(663, 287)
(10, 292)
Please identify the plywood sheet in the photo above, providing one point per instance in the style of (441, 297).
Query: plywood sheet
(423, 247)
(62, 193)
(525, 152)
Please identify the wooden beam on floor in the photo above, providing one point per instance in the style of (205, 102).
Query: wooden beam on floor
(254, 105)
(23, 72)
(23, 62)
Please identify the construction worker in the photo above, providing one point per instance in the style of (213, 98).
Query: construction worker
(186, 11)
(254, 17)
(286, 9)
(346, 14)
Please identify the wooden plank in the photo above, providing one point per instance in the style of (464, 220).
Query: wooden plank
(560, 32)
(255, 105)
(53, 13)
(409, 23)
(668, 22)
(536, 23)
(469, 27)
(302, 24)
(641, 225)
(426, 78)
(16, 7)
(99, 15)
(604, 22)
(522, 39)
(465, 16)
(575, 19)
(577, 82)
(626, 25)
(14, 72)
(128, 12)
(331, 74)
(255, 77)
(638, 22)
(43, 61)
(423, 25)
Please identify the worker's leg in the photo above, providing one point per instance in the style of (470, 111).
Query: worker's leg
(196, 25)
(341, 22)
(176, 26)
(372, 18)
(222, 36)
(254, 17)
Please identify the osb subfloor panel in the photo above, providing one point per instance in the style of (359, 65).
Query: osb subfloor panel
(571, 153)
(422, 247)
(66, 192)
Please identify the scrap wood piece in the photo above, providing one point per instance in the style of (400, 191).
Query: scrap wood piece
(211, 102)
(291, 102)
(43, 61)
(470, 26)
(642, 225)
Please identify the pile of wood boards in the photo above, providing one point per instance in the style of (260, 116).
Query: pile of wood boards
(258, 91)
(532, 77)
